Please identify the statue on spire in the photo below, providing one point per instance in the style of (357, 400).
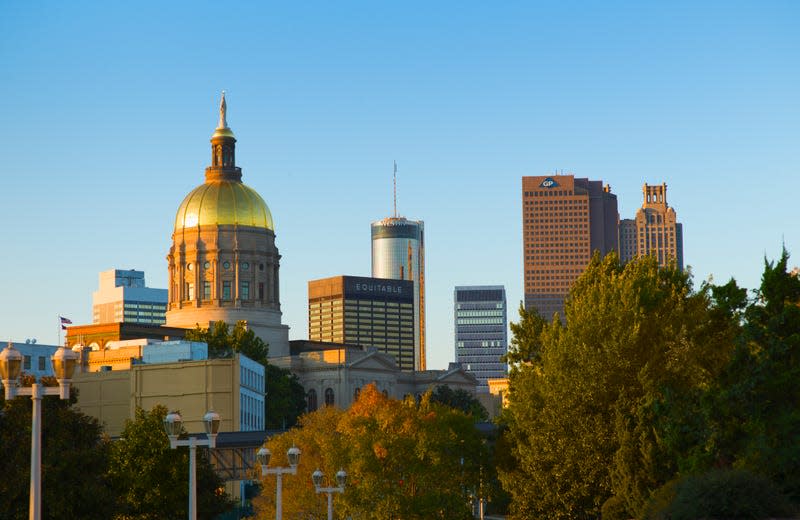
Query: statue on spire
(223, 107)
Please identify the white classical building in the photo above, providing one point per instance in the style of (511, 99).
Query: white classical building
(334, 374)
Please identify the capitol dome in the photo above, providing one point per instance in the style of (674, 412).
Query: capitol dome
(223, 202)
(223, 262)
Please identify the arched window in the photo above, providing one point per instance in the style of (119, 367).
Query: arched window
(329, 397)
(356, 393)
(312, 400)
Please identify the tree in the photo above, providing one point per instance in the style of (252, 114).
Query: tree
(752, 410)
(286, 398)
(460, 400)
(74, 461)
(582, 411)
(403, 460)
(152, 480)
(223, 342)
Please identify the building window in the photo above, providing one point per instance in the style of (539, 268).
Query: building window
(244, 291)
(226, 290)
(190, 291)
(356, 393)
(312, 400)
(261, 291)
(41, 362)
(26, 363)
(207, 290)
(329, 401)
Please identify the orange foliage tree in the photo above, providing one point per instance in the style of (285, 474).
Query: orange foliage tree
(404, 460)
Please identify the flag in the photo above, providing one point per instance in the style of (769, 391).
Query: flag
(64, 322)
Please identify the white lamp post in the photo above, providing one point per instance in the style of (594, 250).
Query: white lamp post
(10, 368)
(341, 480)
(263, 455)
(172, 425)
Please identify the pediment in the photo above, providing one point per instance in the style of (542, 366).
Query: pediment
(374, 361)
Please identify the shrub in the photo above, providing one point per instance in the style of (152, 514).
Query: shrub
(719, 494)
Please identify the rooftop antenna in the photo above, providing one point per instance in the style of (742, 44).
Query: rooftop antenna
(394, 188)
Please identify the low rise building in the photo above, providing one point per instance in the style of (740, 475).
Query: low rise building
(232, 387)
(333, 374)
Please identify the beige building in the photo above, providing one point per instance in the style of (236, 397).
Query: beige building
(655, 231)
(223, 263)
(232, 387)
(334, 374)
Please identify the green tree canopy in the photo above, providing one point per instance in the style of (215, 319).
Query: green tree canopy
(152, 480)
(460, 400)
(74, 461)
(584, 401)
(224, 342)
(286, 398)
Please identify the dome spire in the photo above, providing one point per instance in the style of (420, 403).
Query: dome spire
(223, 149)
(223, 109)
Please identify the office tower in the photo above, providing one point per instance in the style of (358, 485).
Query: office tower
(223, 263)
(481, 331)
(370, 312)
(564, 220)
(398, 252)
(655, 230)
(122, 297)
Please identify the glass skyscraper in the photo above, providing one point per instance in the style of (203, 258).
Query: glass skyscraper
(481, 337)
(398, 252)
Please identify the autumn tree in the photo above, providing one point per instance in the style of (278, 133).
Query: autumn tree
(403, 460)
(152, 480)
(586, 393)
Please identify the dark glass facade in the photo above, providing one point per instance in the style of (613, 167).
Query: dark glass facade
(370, 312)
(481, 337)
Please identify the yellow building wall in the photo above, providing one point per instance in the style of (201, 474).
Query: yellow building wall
(192, 388)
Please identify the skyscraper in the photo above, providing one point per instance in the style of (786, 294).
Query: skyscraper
(371, 312)
(564, 220)
(122, 297)
(655, 230)
(398, 252)
(481, 337)
(223, 263)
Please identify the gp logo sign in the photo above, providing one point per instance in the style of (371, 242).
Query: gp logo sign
(548, 183)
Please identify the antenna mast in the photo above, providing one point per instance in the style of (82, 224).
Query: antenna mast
(394, 188)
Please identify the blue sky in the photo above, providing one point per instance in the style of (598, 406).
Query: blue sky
(108, 108)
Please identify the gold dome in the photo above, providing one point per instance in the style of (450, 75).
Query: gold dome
(223, 202)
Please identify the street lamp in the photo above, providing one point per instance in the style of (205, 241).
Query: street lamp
(341, 479)
(10, 369)
(293, 455)
(172, 424)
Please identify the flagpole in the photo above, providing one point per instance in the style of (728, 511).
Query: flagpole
(59, 331)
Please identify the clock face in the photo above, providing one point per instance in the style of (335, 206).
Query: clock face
(207, 265)
(226, 264)
(190, 267)
(245, 266)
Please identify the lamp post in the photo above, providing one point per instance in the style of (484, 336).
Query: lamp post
(10, 369)
(172, 425)
(293, 455)
(341, 480)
